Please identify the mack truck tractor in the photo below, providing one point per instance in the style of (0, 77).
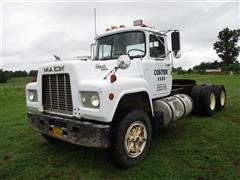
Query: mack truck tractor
(116, 100)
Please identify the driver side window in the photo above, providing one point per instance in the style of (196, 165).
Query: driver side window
(157, 48)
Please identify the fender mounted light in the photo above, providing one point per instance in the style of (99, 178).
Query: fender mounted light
(113, 78)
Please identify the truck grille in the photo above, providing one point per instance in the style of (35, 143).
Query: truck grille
(57, 96)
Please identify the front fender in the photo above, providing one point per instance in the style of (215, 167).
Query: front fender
(119, 88)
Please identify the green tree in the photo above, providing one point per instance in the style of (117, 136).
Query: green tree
(3, 76)
(33, 73)
(226, 47)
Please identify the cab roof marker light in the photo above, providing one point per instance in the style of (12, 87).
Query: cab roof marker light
(138, 22)
(113, 27)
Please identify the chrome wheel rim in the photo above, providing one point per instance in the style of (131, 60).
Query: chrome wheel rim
(135, 139)
(222, 98)
(212, 101)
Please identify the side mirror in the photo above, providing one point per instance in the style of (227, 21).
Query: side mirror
(123, 62)
(175, 36)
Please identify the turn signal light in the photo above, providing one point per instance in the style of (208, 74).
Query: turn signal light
(111, 96)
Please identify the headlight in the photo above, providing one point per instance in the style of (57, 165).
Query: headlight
(95, 101)
(32, 95)
(90, 99)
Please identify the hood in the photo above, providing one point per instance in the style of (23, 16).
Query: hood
(88, 69)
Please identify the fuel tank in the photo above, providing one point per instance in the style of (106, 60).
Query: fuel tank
(173, 107)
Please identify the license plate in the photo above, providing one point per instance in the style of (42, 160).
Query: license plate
(57, 132)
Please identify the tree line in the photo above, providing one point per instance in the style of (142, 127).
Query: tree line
(5, 75)
(202, 67)
(235, 67)
(227, 50)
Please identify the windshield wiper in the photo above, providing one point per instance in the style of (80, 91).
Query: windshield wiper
(163, 56)
(136, 56)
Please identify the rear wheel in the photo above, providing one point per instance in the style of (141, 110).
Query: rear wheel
(195, 93)
(131, 139)
(207, 100)
(220, 97)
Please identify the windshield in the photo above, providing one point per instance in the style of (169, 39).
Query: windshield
(113, 46)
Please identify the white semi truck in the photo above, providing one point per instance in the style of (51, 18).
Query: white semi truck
(120, 97)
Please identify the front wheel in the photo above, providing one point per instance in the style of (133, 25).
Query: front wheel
(131, 139)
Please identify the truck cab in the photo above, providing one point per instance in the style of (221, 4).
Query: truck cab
(149, 53)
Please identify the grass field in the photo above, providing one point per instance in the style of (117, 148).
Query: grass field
(194, 148)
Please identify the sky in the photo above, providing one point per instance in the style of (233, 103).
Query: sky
(33, 31)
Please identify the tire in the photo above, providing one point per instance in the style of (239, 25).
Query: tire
(207, 101)
(128, 146)
(50, 139)
(195, 93)
(220, 97)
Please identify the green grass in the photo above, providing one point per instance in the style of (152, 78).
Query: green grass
(194, 148)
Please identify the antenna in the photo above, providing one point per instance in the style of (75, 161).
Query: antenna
(95, 26)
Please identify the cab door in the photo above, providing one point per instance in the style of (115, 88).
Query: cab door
(157, 67)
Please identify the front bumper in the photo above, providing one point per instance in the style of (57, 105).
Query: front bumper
(74, 131)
